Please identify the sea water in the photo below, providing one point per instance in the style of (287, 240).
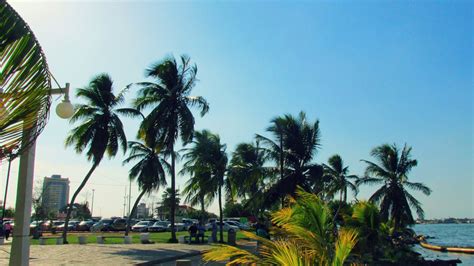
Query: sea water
(452, 235)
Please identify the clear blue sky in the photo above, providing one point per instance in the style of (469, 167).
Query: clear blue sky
(372, 73)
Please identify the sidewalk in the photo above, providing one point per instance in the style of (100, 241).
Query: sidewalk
(96, 254)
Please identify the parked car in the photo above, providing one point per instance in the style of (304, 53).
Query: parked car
(177, 227)
(72, 226)
(226, 226)
(118, 225)
(142, 226)
(85, 225)
(160, 226)
(102, 225)
(241, 226)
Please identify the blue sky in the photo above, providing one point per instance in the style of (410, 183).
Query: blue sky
(371, 72)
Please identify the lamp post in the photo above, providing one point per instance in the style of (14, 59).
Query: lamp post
(20, 251)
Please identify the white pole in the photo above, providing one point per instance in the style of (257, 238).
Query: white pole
(20, 250)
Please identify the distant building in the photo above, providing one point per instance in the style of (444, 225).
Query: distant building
(142, 210)
(55, 193)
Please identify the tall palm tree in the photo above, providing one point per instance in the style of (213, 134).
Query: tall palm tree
(300, 141)
(207, 155)
(391, 170)
(101, 130)
(338, 174)
(247, 171)
(276, 148)
(149, 171)
(170, 117)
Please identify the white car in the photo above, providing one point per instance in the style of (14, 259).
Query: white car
(239, 225)
(226, 226)
(142, 226)
(177, 227)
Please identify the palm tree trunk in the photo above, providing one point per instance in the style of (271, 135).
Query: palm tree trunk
(281, 168)
(134, 208)
(173, 197)
(202, 210)
(220, 215)
(73, 199)
(345, 194)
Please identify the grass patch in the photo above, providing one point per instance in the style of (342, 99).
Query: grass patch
(161, 237)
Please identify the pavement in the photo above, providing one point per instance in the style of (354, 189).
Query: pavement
(110, 254)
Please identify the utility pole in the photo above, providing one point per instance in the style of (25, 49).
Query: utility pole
(92, 206)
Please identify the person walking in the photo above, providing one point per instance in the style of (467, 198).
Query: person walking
(7, 227)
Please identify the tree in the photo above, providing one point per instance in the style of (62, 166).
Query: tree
(304, 237)
(79, 211)
(196, 190)
(208, 159)
(149, 171)
(391, 171)
(171, 116)
(300, 141)
(247, 171)
(101, 130)
(166, 203)
(338, 176)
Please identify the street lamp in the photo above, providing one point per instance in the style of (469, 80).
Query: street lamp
(20, 250)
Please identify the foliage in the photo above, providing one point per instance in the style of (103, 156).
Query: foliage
(149, 171)
(207, 160)
(304, 236)
(391, 171)
(296, 144)
(80, 211)
(339, 178)
(24, 84)
(164, 210)
(101, 130)
(170, 117)
(247, 171)
(235, 210)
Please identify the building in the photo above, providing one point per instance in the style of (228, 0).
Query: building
(55, 193)
(142, 210)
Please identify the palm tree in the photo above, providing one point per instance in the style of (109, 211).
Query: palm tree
(196, 188)
(247, 171)
(304, 237)
(149, 171)
(300, 141)
(391, 170)
(101, 130)
(170, 117)
(208, 159)
(167, 203)
(338, 174)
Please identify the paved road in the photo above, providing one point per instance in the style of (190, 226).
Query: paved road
(95, 254)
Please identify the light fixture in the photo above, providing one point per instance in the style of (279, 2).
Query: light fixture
(64, 109)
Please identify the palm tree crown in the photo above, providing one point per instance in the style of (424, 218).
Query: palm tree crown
(299, 141)
(391, 170)
(338, 176)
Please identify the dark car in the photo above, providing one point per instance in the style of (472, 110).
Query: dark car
(71, 226)
(119, 225)
(160, 226)
(102, 225)
(85, 225)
